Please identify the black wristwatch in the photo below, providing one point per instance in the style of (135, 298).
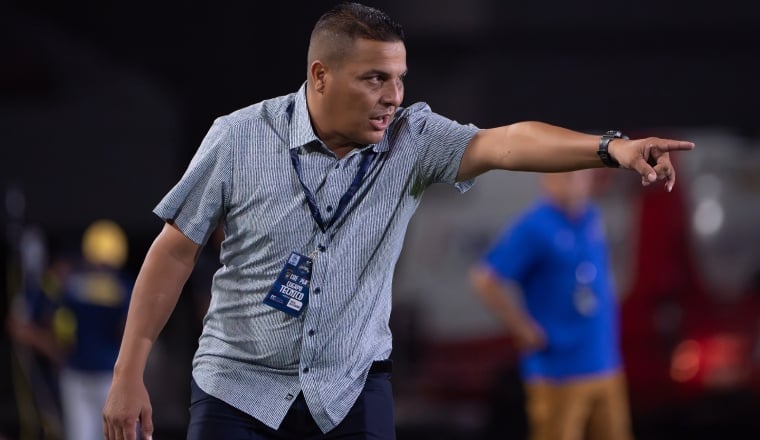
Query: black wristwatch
(604, 155)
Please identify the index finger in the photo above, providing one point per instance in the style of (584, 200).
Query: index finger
(672, 145)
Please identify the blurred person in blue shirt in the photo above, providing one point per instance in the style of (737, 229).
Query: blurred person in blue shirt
(548, 279)
(72, 315)
(94, 309)
(89, 324)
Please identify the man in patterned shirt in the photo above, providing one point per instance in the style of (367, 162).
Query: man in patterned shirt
(315, 190)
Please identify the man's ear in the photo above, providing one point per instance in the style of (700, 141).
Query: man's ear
(317, 75)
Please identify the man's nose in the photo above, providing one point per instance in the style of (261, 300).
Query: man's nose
(393, 93)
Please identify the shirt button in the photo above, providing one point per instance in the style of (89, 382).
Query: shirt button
(317, 290)
(329, 208)
(311, 332)
(321, 248)
(306, 369)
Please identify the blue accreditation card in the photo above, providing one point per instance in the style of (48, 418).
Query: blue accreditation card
(290, 292)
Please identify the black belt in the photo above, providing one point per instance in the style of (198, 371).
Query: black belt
(384, 366)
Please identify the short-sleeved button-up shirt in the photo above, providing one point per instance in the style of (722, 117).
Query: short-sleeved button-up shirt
(253, 356)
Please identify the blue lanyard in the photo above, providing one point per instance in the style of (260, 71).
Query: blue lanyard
(311, 201)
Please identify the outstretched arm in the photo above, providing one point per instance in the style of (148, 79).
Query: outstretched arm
(168, 264)
(541, 147)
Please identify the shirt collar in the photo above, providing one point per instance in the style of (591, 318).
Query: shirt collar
(301, 132)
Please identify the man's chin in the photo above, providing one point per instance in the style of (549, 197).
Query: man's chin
(368, 137)
(375, 137)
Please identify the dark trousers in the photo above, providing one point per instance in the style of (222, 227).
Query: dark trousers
(371, 417)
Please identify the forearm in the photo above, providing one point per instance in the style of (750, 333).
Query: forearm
(501, 298)
(155, 295)
(529, 146)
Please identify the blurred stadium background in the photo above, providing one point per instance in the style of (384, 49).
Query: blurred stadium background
(103, 104)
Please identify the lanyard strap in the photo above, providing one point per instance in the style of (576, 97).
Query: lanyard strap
(311, 201)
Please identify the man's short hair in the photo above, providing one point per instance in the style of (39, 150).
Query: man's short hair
(339, 27)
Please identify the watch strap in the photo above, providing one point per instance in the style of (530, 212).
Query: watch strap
(604, 143)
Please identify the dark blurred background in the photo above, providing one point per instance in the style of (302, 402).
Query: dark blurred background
(102, 105)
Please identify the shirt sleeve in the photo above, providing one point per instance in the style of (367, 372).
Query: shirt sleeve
(441, 142)
(200, 198)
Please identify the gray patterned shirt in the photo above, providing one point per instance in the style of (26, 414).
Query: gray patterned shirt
(255, 357)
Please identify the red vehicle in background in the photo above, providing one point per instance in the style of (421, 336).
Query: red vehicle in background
(690, 335)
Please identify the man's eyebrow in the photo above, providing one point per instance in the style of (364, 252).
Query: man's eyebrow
(383, 72)
(376, 72)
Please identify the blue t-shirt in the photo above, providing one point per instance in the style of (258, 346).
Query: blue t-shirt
(98, 298)
(562, 266)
